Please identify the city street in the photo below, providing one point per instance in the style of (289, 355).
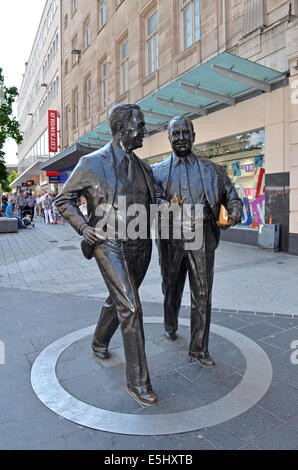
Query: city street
(49, 290)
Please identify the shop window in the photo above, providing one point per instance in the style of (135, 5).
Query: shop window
(243, 157)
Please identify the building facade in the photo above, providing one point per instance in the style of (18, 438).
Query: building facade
(40, 91)
(230, 65)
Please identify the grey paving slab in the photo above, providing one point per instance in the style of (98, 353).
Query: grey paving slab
(287, 398)
(284, 339)
(284, 369)
(241, 430)
(200, 375)
(284, 437)
(271, 350)
(260, 330)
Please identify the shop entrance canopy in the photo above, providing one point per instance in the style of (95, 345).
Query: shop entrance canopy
(225, 80)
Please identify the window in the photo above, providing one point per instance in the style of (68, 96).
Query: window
(66, 67)
(76, 108)
(89, 98)
(152, 42)
(124, 66)
(87, 32)
(65, 22)
(74, 6)
(191, 22)
(104, 84)
(102, 13)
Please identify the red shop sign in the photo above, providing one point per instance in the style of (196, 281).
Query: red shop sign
(53, 131)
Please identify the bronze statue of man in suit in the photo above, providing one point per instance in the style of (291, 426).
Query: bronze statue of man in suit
(102, 178)
(187, 178)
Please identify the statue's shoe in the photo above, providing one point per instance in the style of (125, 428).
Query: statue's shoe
(145, 396)
(102, 355)
(205, 361)
(170, 336)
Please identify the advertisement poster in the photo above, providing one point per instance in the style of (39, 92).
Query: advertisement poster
(259, 161)
(236, 169)
(258, 207)
(246, 214)
(261, 184)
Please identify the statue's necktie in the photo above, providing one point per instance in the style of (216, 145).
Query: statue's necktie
(130, 166)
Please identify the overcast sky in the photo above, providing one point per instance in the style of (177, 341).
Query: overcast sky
(19, 22)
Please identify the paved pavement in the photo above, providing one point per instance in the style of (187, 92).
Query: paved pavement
(48, 290)
(49, 259)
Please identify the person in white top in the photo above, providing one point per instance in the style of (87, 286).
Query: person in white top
(47, 210)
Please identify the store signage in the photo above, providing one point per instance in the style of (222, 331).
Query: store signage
(258, 207)
(248, 168)
(58, 177)
(246, 214)
(53, 130)
(54, 179)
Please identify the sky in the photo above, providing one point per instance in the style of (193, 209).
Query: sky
(19, 22)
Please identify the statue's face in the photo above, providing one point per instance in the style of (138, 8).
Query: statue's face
(134, 131)
(181, 137)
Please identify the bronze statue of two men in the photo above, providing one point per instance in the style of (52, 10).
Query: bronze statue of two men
(115, 172)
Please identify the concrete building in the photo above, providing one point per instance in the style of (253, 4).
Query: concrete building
(39, 92)
(230, 65)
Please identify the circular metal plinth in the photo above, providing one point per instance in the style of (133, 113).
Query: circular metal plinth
(249, 391)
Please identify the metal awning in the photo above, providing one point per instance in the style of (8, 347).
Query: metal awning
(31, 172)
(223, 81)
(68, 158)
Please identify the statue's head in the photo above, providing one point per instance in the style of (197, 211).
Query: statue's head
(181, 135)
(127, 125)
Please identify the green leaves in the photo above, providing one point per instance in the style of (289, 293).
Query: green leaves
(9, 126)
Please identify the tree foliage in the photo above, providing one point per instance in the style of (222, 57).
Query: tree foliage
(9, 126)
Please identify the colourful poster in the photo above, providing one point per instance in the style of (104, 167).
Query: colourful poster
(261, 183)
(236, 169)
(259, 160)
(246, 214)
(258, 207)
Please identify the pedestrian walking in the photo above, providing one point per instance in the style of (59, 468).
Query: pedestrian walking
(47, 207)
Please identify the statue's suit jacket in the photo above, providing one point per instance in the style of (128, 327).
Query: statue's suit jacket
(218, 187)
(95, 178)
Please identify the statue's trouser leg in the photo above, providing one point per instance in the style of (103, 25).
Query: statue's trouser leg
(123, 272)
(173, 270)
(201, 272)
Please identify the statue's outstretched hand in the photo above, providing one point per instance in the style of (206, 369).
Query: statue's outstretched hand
(231, 222)
(175, 200)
